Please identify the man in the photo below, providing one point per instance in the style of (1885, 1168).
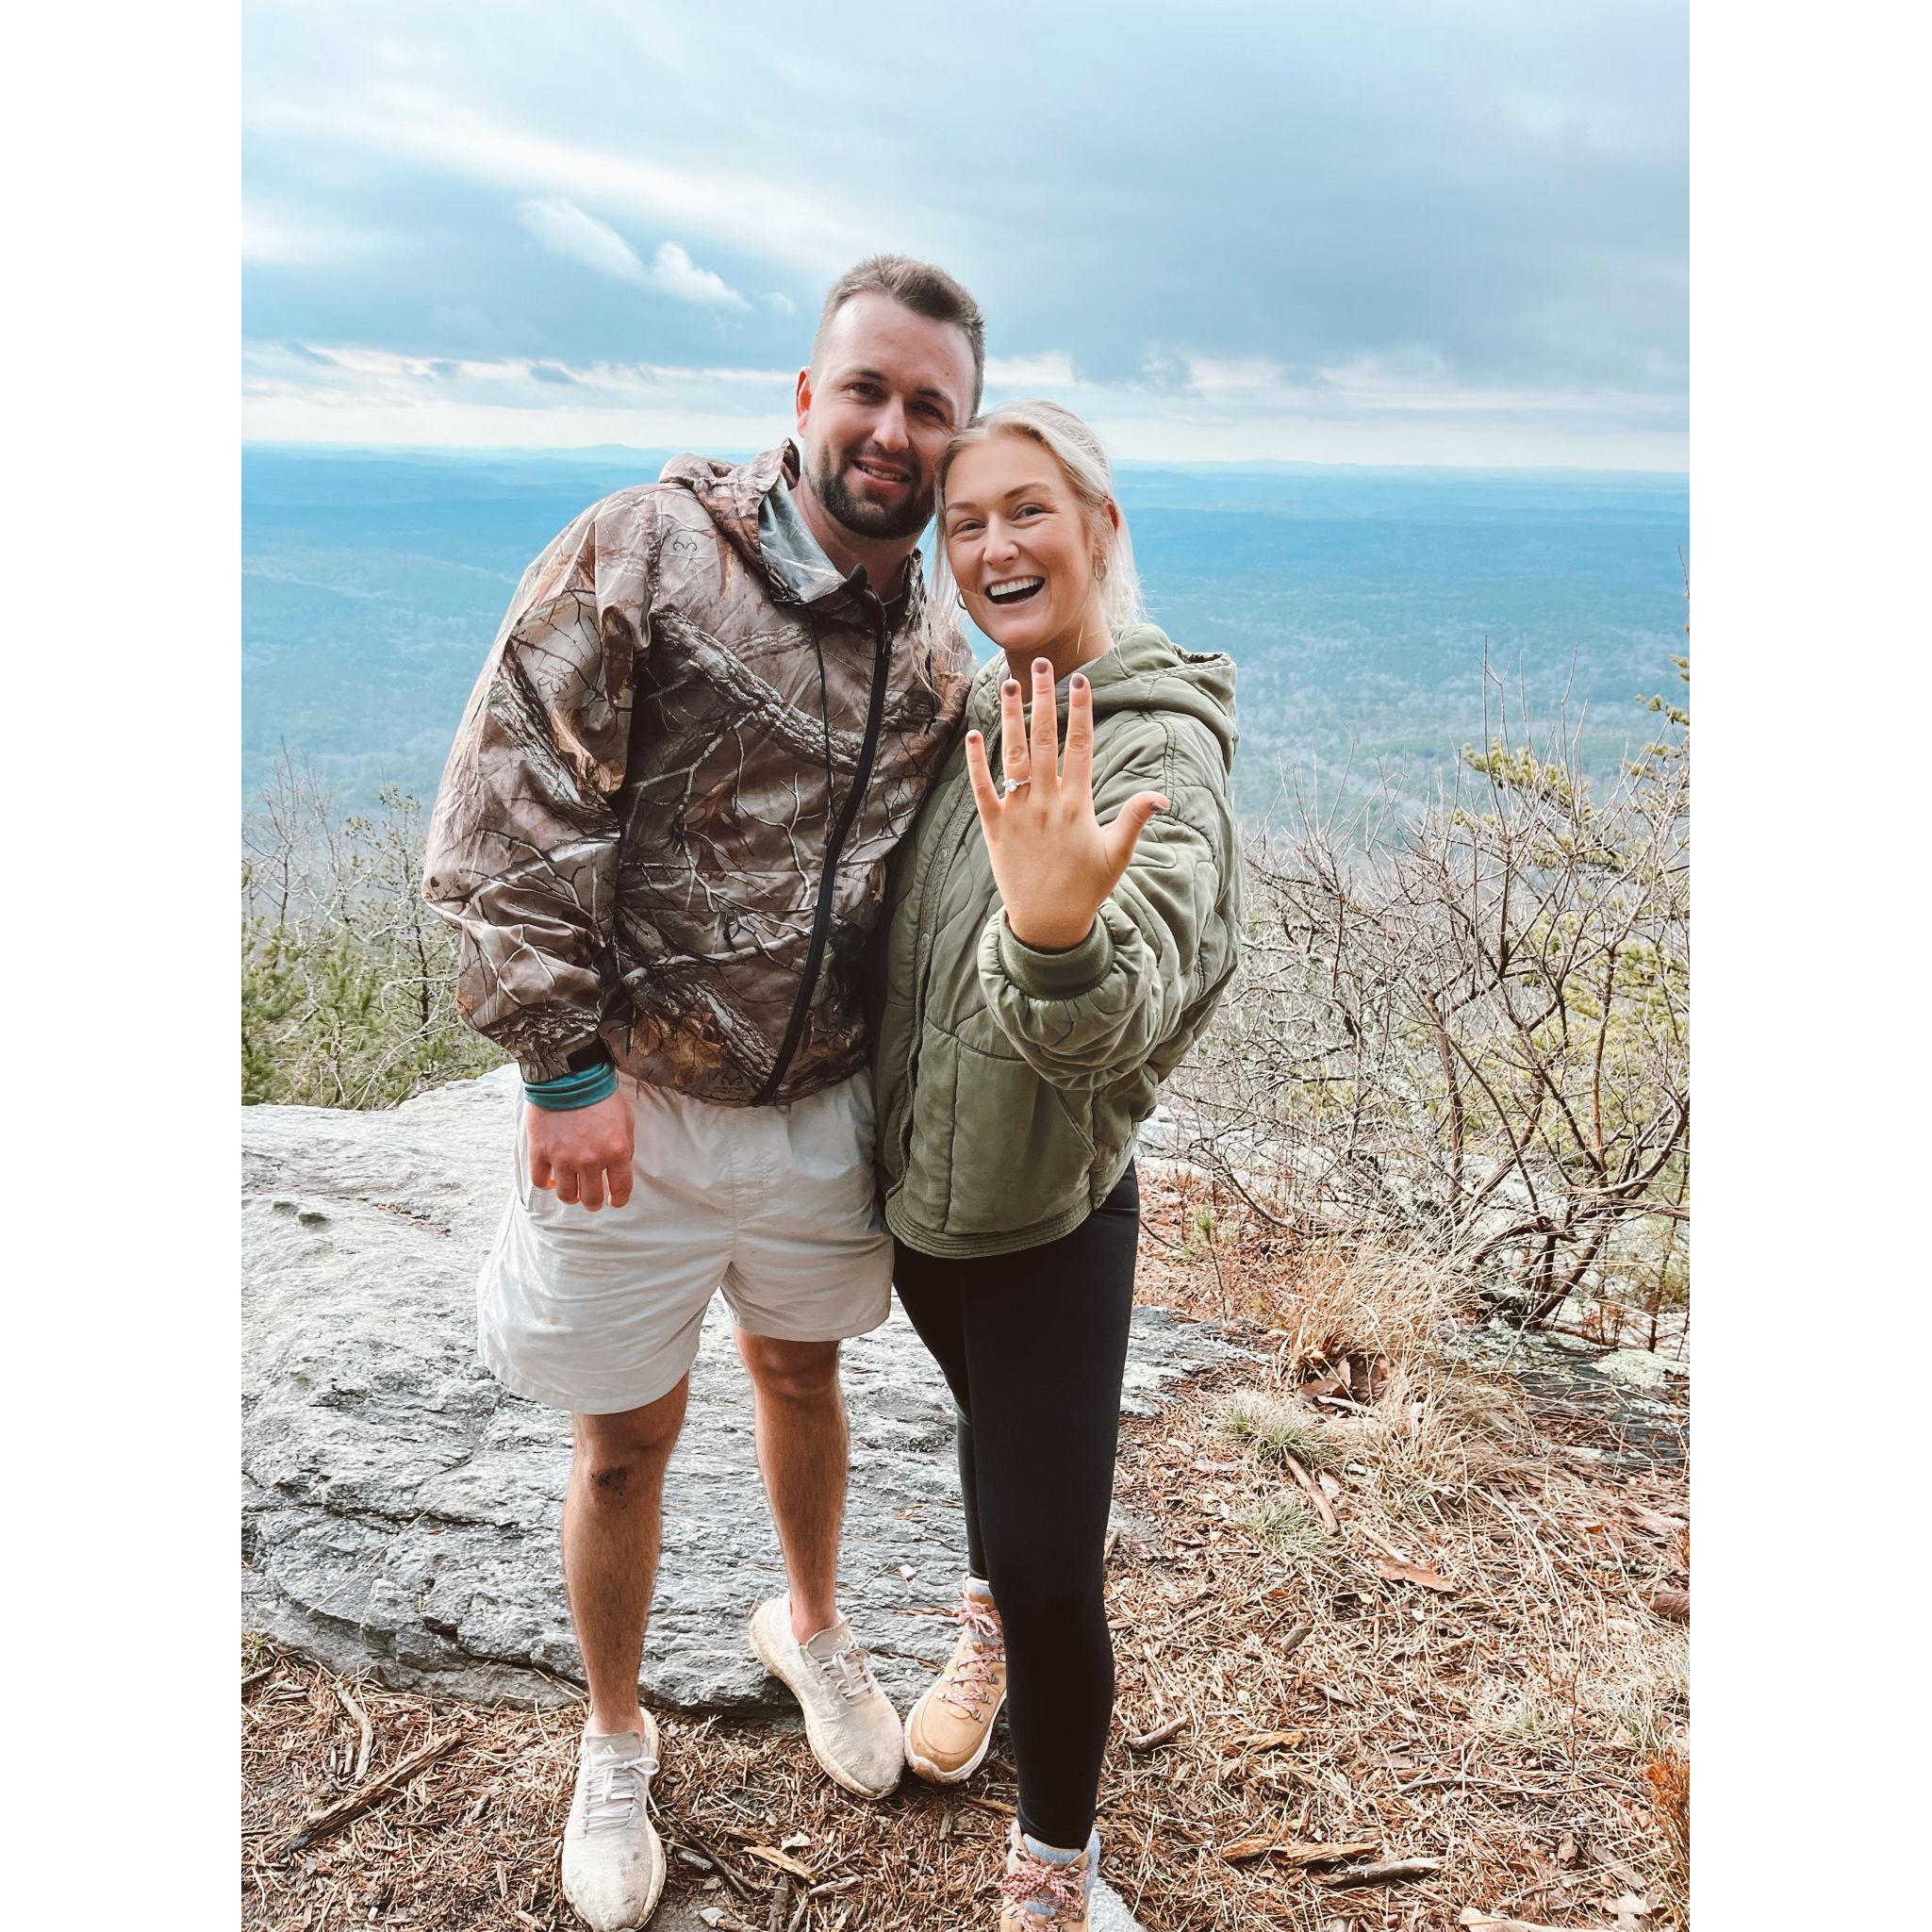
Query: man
(710, 715)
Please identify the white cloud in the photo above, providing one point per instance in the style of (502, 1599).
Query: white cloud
(1052, 370)
(269, 239)
(1423, 384)
(773, 218)
(780, 305)
(561, 227)
(292, 374)
(1604, 129)
(1213, 376)
(674, 272)
(1364, 411)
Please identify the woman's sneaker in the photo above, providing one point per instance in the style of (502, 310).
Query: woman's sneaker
(613, 1863)
(849, 1722)
(949, 1730)
(1045, 1890)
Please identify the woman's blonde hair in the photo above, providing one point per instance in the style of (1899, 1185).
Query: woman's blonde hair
(1078, 450)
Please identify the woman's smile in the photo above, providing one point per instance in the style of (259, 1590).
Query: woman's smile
(1012, 590)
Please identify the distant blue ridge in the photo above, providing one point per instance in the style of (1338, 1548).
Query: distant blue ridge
(1356, 601)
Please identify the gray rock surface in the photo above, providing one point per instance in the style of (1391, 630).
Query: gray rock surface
(401, 1508)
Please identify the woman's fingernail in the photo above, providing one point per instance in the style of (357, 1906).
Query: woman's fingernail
(1079, 683)
(1010, 688)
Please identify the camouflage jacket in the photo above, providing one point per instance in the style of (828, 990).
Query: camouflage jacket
(666, 818)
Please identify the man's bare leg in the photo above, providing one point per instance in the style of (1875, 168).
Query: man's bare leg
(800, 1429)
(613, 1525)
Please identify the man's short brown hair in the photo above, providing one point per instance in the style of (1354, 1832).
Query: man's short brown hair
(919, 287)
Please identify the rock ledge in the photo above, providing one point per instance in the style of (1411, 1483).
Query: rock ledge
(401, 1508)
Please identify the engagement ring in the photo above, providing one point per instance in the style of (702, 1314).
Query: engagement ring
(1012, 784)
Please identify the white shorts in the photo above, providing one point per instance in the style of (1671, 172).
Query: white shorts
(597, 1314)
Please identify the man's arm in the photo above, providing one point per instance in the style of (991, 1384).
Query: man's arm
(522, 845)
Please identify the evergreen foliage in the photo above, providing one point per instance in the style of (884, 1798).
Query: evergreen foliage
(346, 973)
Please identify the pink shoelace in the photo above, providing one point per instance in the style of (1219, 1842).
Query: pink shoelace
(971, 1682)
(1063, 1888)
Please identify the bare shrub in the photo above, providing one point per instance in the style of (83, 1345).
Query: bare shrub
(1462, 1032)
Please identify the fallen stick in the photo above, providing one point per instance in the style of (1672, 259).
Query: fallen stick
(332, 1817)
(770, 1854)
(1297, 1855)
(739, 1885)
(1475, 1921)
(1301, 1855)
(1322, 1508)
(1392, 1874)
(1387, 1548)
(360, 1719)
(992, 1805)
(1161, 1734)
(254, 1677)
(1297, 1637)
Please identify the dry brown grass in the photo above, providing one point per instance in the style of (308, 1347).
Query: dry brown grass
(1482, 1682)
(1202, 1252)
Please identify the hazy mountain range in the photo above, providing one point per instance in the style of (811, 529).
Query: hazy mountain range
(1356, 601)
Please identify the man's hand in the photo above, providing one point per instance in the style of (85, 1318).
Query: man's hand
(586, 1153)
(1053, 861)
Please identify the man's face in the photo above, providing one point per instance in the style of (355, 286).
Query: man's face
(889, 390)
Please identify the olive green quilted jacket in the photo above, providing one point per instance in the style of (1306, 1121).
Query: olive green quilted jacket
(1009, 1083)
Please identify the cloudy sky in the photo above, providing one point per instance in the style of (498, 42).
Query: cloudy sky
(1365, 231)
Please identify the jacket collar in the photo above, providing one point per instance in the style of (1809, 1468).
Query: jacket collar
(756, 513)
(798, 567)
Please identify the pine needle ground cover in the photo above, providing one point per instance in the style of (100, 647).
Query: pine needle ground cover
(1399, 1646)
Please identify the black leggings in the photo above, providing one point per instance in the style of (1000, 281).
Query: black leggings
(1033, 1346)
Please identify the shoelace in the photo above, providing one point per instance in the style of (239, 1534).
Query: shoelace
(969, 1683)
(851, 1671)
(1063, 1886)
(616, 1787)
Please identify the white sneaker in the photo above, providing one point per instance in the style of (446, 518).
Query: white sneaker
(849, 1722)
(613, 1863)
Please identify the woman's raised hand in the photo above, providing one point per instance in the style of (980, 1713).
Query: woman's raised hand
(1053, 861)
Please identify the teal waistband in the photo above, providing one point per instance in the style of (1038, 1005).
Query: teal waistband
(570, 1090)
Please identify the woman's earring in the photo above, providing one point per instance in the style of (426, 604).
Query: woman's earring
(1099, 569)
(959, 598)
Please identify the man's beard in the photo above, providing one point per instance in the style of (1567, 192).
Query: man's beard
(877, 522)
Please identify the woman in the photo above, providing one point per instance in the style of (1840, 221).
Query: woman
(1054, 946)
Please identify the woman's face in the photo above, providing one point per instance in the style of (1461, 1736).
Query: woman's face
(1018, 544)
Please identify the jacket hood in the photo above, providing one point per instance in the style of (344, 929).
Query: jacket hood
(1145, 671)
(752, 506)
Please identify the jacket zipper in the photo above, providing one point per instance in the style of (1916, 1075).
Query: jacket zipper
(952, 843)
(827, 877)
